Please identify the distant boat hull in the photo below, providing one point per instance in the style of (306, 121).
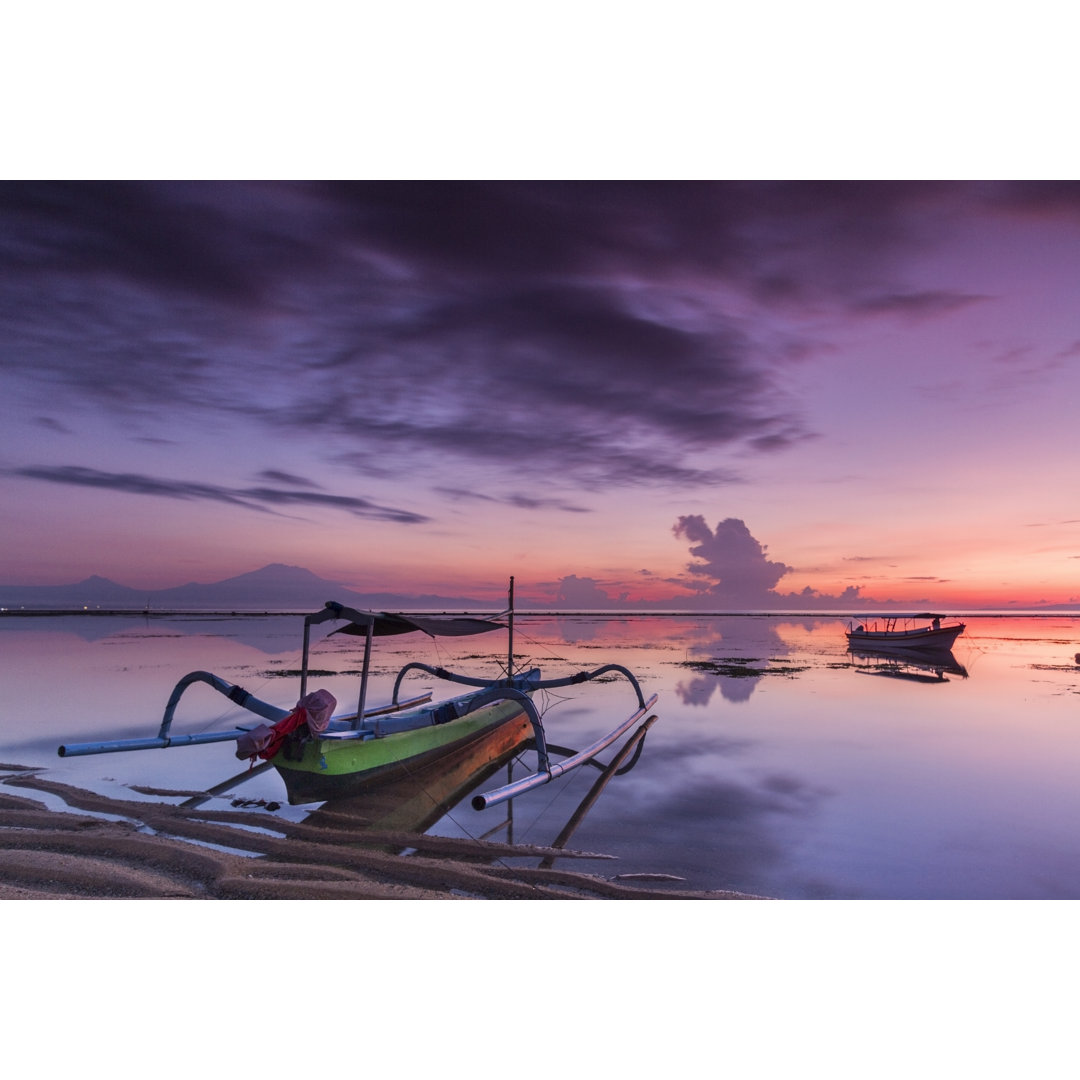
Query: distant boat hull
(928, 637)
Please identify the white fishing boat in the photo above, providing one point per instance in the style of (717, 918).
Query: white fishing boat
(922, 631)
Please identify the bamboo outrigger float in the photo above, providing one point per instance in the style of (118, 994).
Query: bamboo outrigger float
(321, 756)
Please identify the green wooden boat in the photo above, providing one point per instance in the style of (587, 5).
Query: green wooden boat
(352, 761)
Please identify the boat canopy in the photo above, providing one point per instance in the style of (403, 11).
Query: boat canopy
(897, 615)
(385, 624)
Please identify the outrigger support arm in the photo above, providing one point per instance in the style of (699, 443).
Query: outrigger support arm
(526, 681)
(585, 676)
(234, 693)
(163, 740)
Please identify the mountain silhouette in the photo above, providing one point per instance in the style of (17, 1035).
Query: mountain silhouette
(271, 588)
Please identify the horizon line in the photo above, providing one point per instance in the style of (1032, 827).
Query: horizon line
(1048, 611)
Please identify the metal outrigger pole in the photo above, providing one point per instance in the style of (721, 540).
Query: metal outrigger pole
(548, 770)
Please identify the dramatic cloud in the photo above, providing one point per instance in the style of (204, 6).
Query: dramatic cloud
(559, 368)
(599, 327)
(735, 572)
(255, 498)
(735, 562)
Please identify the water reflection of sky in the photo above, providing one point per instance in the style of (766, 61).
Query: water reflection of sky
(780, 765)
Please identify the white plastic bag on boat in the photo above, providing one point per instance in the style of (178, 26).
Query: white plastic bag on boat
(319, 706)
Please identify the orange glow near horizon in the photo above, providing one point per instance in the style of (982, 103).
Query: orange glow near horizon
(962, 576)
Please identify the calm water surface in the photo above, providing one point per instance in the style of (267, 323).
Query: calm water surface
(781, 764)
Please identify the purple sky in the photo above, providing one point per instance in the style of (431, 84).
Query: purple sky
(733, 390)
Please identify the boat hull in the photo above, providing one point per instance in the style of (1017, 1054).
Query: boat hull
(429, 791)
(941, 638)
(330, 769)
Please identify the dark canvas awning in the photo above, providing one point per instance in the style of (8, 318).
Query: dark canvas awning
(384, 624)
(897, 615)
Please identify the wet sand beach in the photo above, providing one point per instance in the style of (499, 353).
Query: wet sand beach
(148, 849)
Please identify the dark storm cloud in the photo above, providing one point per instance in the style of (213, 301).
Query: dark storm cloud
(537, 230)
(594, 389)
(594, 459)
(1043, 197)
(255, 498)
(200, 239)
(575, 329)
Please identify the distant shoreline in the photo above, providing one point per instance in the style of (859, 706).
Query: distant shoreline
(610, 613)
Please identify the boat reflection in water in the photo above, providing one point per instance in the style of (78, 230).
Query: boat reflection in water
(913, 665)
(416, 803)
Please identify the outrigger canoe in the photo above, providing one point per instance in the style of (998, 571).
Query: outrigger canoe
(903, 631)
(322, 755)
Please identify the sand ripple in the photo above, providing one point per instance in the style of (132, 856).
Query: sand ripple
(160, 851)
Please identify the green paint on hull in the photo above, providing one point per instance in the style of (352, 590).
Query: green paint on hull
(342, 768)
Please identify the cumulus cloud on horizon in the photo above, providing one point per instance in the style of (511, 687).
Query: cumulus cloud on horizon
(731, 571)
(733, 565)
